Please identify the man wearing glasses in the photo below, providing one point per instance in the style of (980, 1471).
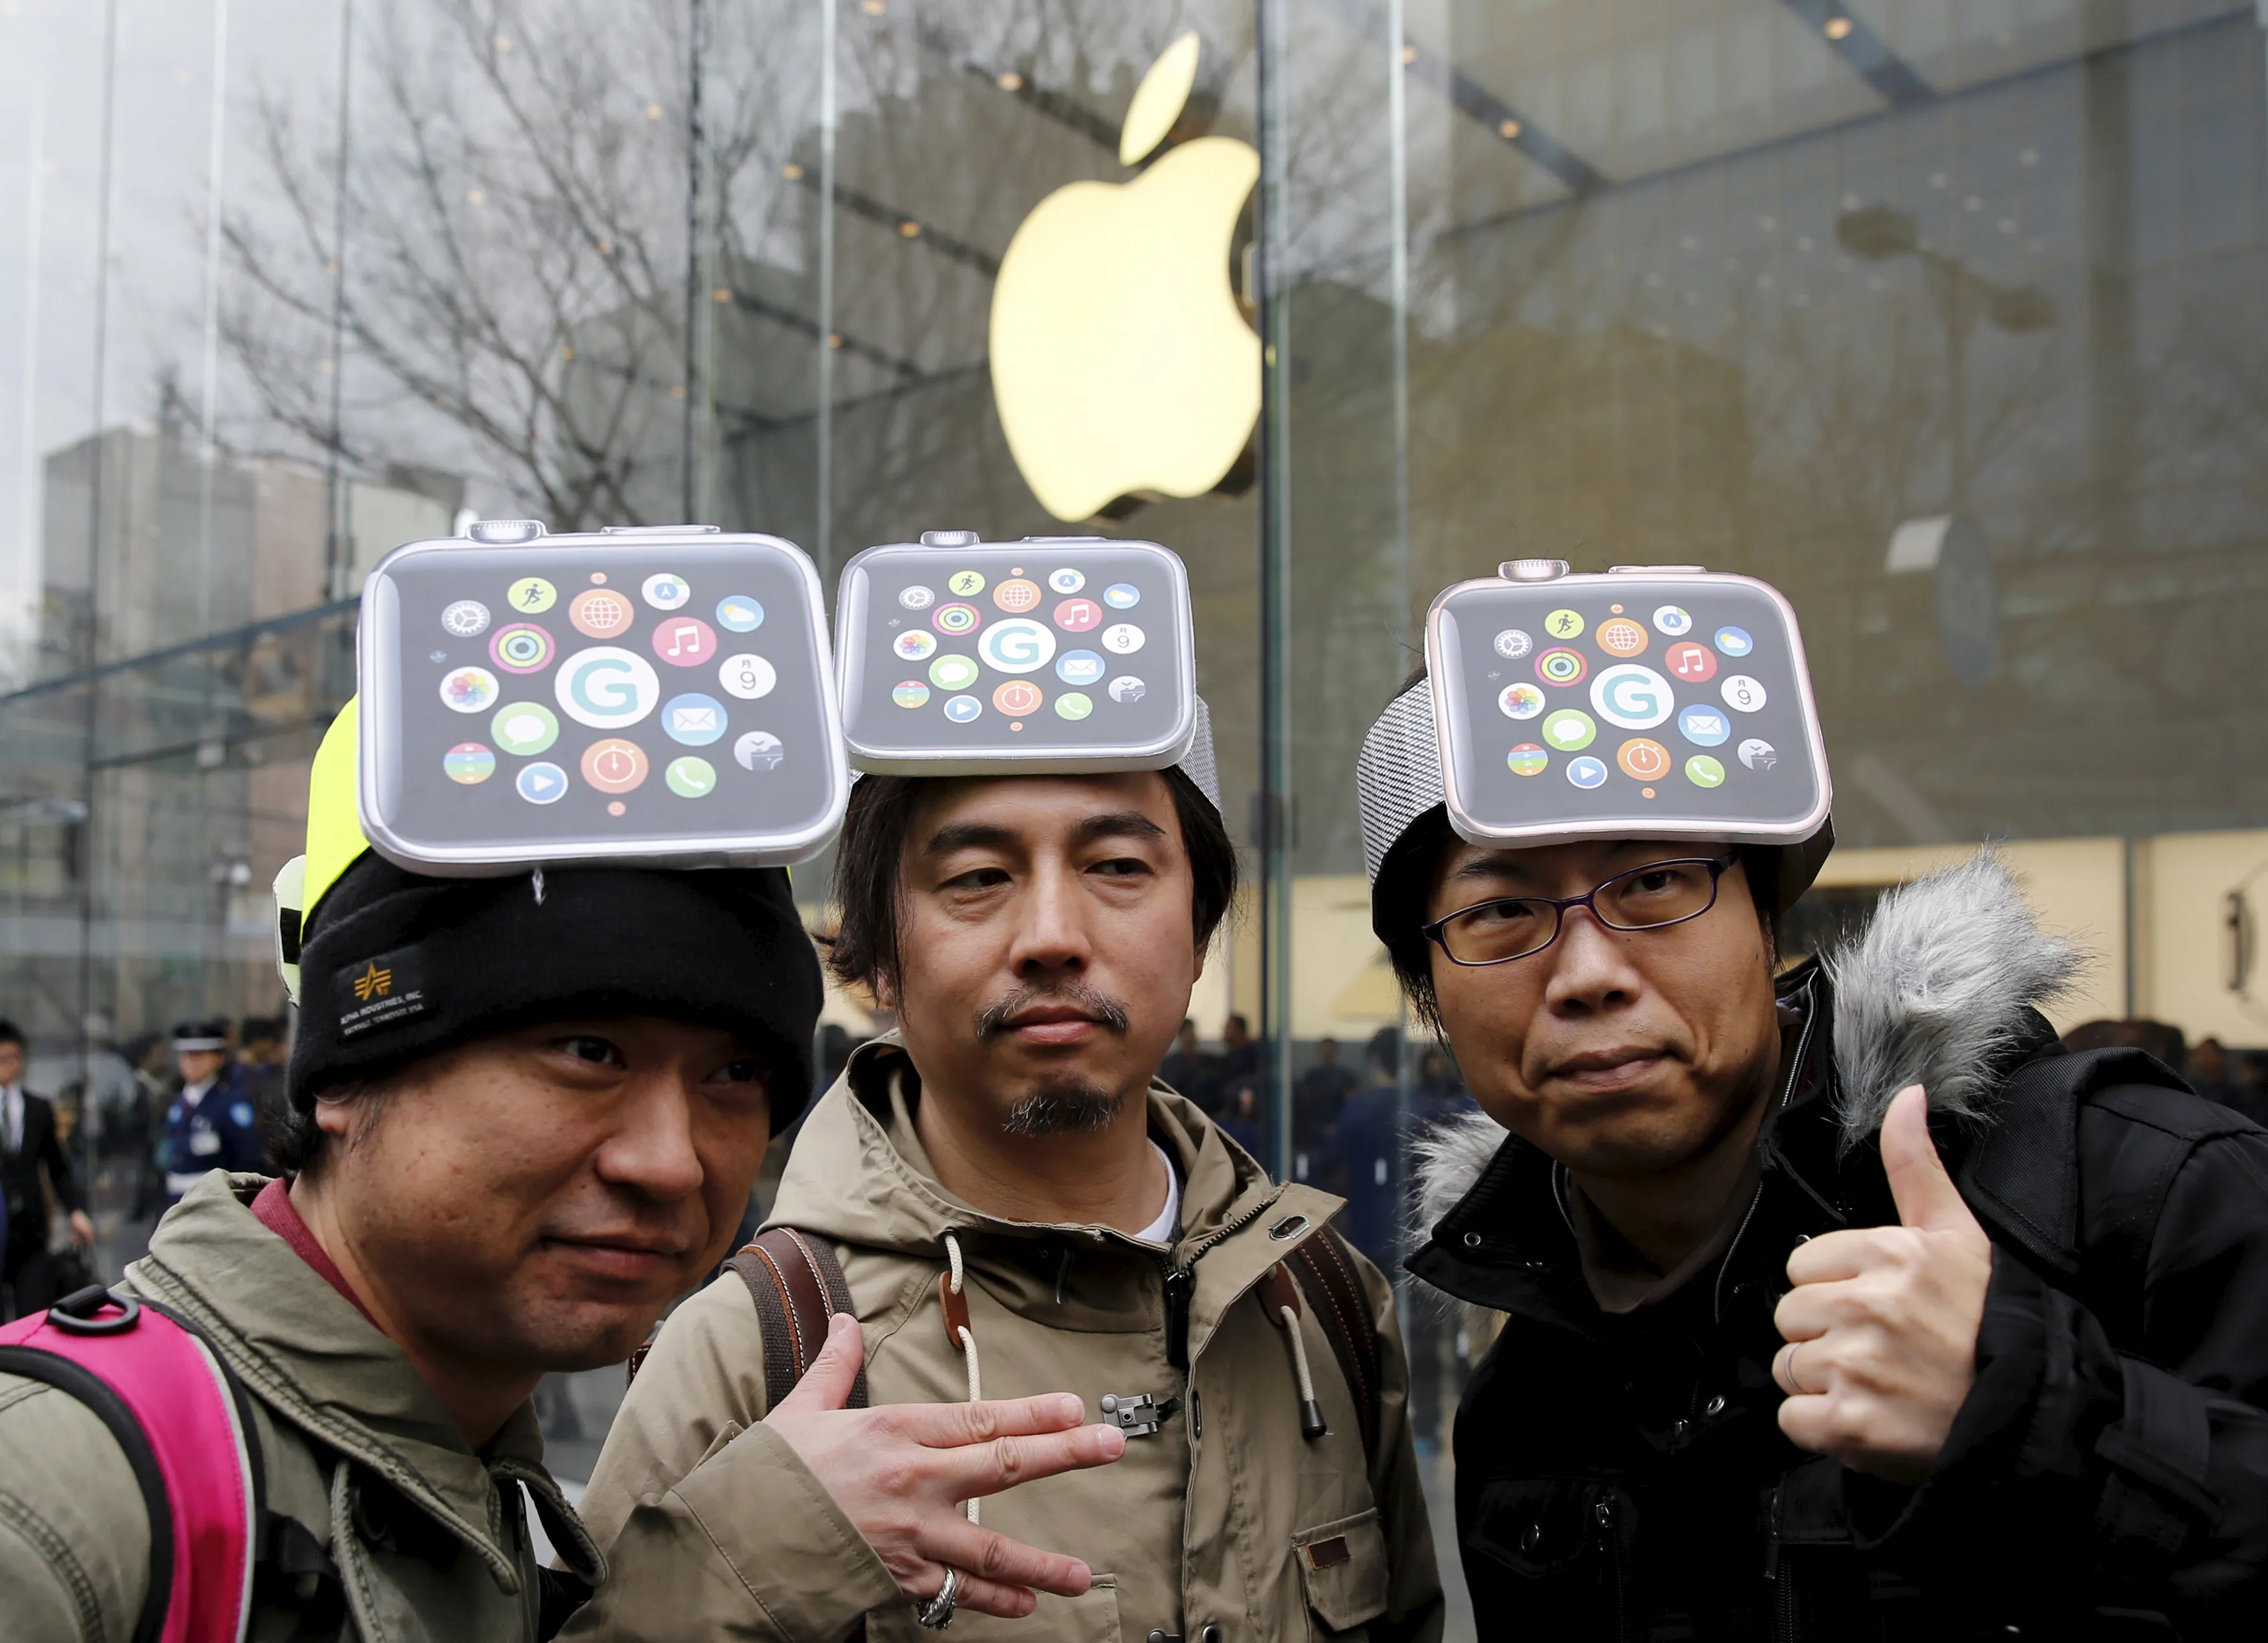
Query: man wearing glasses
(1791, 1348)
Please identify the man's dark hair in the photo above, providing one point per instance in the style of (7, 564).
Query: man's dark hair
(864, 947)
(296, 1145)
(11, 1034)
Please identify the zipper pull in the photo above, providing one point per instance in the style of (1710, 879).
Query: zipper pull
(1180, 1281)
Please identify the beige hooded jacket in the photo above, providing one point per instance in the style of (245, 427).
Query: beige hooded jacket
(1225, 1525)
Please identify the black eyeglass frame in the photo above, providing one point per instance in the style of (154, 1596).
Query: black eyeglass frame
(1437, 932)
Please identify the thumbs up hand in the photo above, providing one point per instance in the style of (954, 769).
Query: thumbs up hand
(1881, 1324)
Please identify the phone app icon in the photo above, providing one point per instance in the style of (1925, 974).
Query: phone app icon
(606, 688)
(689, 777)
(531, 596)
(1527, 759)
(1080, 668)
(917, 644)
(1512, 643)
(666, 591)
(1017, 645)
(1563, 624)
(1017, 698)
(1126, 688)
(910, 692)
(1017, 595)
(917, 598)
(1735, 642)
(1122, 596)
(1703, 724)
(614, 765)
(1645, 759)
(1758, 755)
(747, 676)
(685, 641)
(1124, 639)
(1630, 697)
(542, 782)
(1073, 705)
(1067, 580)
(1078, 616)
(467, 619)
(600, 613)
(737, 613)
(524, 729)
(1586, 772)
(1673, 620)
(1704, 771)
(1690, 663)
(1570, 730)
(1561, 667)
(468, 763)
(1521, 701)
(953, 672)
(1622, 636)
(956, 619)
(1743, 692)
(966, 583)
(693, 718)
(758, 750)
(962, 709)
(521, 648)
(468, 689)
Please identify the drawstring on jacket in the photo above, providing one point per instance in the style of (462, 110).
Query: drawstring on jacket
(956, 1304)
(1280, 1296)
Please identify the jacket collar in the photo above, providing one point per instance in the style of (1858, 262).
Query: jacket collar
(306, 1352)
(858, 1174)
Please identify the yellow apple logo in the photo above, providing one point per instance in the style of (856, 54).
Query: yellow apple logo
(1120, 362)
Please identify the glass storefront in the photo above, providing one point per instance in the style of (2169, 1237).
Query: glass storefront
(1944, 316)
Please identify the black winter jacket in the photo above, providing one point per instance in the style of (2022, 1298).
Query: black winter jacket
(1624, 1477)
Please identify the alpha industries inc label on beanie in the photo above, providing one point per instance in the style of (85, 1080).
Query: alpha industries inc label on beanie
(387, 990)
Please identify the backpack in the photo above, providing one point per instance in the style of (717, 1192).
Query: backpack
(186, 1427)
(796, 1285)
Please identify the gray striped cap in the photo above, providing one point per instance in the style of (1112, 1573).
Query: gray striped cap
(1398, 777)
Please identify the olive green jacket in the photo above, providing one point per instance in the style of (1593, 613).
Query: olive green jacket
(1225, 1518)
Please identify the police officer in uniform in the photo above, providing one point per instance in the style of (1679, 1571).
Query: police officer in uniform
(211, 1123)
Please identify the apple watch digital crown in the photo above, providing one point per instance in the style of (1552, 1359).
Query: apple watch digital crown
(645, 696)
(1652, 702)
(1054, 654)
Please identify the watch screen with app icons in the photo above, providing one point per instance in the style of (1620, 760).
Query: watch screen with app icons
(1677, 703)
(615, 697)
(1071, 653)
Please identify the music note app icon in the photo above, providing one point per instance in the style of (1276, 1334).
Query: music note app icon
(684, 641)
(1690, 663)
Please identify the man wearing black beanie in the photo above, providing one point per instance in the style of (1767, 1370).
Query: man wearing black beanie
(525, 1113)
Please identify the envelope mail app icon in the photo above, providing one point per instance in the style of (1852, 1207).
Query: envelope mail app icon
(694, 718)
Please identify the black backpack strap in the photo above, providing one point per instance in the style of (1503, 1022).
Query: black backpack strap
(75, 1381)
(1326, 1270)
(798, 1284)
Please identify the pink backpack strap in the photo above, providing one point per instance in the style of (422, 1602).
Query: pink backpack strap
(186, 1428)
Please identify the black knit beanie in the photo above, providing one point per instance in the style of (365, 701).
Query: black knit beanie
(395, 966)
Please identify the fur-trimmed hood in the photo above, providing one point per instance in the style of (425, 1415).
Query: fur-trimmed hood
(1935, 990)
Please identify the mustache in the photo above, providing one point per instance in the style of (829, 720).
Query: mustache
(994, 1018)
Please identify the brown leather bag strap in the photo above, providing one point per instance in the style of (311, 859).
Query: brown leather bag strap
(1327, 1273)
(798, 1285)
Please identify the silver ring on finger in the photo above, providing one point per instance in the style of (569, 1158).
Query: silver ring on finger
(1795, 1380)
(937, 1612)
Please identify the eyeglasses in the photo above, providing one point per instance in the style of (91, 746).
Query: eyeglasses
(1653, 897)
